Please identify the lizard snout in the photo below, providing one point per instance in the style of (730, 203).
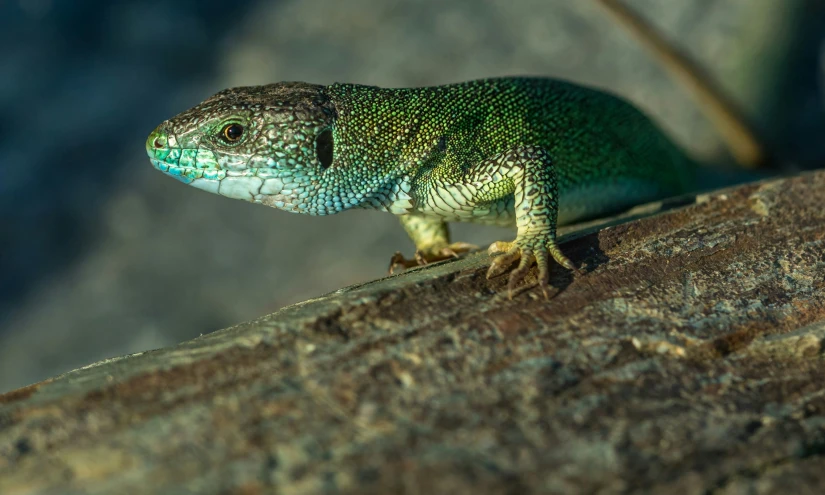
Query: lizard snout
(157, 140)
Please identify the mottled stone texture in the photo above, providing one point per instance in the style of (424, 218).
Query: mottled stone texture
(687, 359)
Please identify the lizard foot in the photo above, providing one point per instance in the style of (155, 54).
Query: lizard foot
(430, 255)
(526, 249)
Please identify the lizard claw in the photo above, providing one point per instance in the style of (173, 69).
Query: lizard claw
(430, 255)
(525, 252)
(399, 261)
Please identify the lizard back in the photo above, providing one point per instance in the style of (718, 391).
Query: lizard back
(608, 155)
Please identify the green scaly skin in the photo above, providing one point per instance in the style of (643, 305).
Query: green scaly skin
(530, 152)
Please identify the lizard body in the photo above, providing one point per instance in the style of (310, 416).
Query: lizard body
(528, 152)
(533, 153)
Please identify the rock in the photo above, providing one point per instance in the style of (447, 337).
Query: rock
(686, 358)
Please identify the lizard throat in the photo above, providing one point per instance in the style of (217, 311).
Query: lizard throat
(300, 189)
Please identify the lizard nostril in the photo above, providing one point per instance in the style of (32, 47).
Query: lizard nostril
(159, 143)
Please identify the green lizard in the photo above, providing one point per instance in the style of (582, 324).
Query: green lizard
(532, 153)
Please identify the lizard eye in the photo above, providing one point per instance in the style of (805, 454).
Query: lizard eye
(232, 133)
(324, 148)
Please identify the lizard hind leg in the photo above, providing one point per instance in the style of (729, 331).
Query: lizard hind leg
(535, 192)
(432, 242)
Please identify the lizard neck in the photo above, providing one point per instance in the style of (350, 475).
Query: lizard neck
(374, 135)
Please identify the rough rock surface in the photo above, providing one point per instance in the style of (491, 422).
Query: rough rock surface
(688, 358)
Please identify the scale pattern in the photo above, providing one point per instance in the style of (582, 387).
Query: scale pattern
(529, 152)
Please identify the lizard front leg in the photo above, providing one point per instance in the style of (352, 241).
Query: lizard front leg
(531, 175)
(432, 241)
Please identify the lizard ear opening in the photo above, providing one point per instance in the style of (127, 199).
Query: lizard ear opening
(324, 148)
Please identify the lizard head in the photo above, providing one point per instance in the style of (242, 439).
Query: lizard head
(266, 144)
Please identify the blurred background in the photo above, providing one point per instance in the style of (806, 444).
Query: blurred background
(100, 255)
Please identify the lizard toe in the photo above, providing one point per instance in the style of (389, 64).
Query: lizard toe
(560, 258)
(517, 275)
(500, 247)
(441, 252)
(430, 254)
(502, 263)
(458, 248)
(544, 273)
(526, 251)
(399, 262)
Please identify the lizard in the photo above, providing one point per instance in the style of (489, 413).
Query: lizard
(529, 152)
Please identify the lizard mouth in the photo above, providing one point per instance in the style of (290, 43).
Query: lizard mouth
(183, 173)
(185, 165)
